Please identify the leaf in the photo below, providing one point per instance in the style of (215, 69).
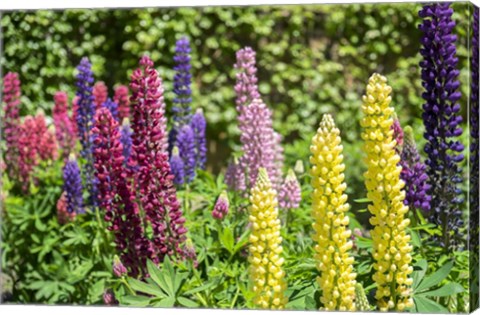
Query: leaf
(450, 288)
(200, 288)
(168, 302)
(134, 300)
(187, 302)
(418, 275)
(226, 237)
(159, 278)
(242, 241)
(436, 277)
(143, 287)
(424, 305)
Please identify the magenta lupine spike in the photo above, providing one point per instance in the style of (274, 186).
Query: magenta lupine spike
(116, 195)
(397, 134)
(11, 121)
(100, 94)
(121, 98)
(290, 193)
(152, 170)
(64, 127)
(220, 210)
(257, 140)
(235, 176)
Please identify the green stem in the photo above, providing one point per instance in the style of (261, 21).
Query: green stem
(128, 286)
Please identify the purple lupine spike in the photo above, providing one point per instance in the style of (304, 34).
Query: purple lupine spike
(257, 140)
(199, 126)
(397, 135)
(177, 166)
(186, 147)
(442, 119)
(290, 193)
(72, 186)
(220, 210)
(84, 114)
(126, 139)
(246, 87)
(181, 87)
(474, 136)
(414, 174)
(112, 107)
(235, 176)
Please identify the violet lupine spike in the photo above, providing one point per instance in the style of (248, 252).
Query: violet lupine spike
(64, 127)
(186, 148)
(117, 194)
(246, 87)
(220, 210)
(177, 166)
(257, 138)
(199, 126)
(126, 139)
(121, 98)
(152, 170)
(414, 175)
(84, 114)
(290, 193)
(474, 145)
(11, 121)
(112, 107)
(72, 186)
(100, 94)
(235, 176)
(442, 119)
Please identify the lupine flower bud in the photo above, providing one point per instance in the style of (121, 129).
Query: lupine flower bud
(112, 107)
(220, 210)
(299, 167)
(414, 175)
(332, 235)
(100, 94)
(177, 166)
(84, 115)
(126, 139)
(72, 185)
(121, 98)
(265, 251)
(361, 300)
(109, 298)
(186, 147)
(235, 176)
(199, 126)
(290, 193)
(11, 121)
(64, 128)
(391, 243)
(119, 269)
(442, 119)
(62, 213)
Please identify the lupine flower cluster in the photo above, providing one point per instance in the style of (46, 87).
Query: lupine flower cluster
(414, 175)
(121, 98)
(64, 126)
(72, 186)
(126, 139)
(266, 272)
(398, 135)
(63, 215)
(441, 118)
(11, 121)
(332, 235)
(260, 143)
(178, 168)
(235, 176)
(149, 158)
(361, 300)
(84, 115)
(220, 210)
(188, 132)
(100, 94)
(35, 144)
(290, 193)
(112, 107)
(391, 243)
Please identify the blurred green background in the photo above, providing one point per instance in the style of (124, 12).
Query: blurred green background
(312, 59)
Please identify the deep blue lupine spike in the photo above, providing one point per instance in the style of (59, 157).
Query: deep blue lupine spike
(441, 119)
(177, 166)
(72, 186)
(112, 107)
(85, 114)
(199, 126)
(186, 147)
(126, 139)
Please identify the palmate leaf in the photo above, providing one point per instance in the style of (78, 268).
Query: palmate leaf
(434, 279)
(425, 305)
(160, 278)
(134, 300)
(446, 290)
(147, 288)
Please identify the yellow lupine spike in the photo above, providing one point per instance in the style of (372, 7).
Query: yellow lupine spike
(337, 279)
(266, 271)
(391, 244)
